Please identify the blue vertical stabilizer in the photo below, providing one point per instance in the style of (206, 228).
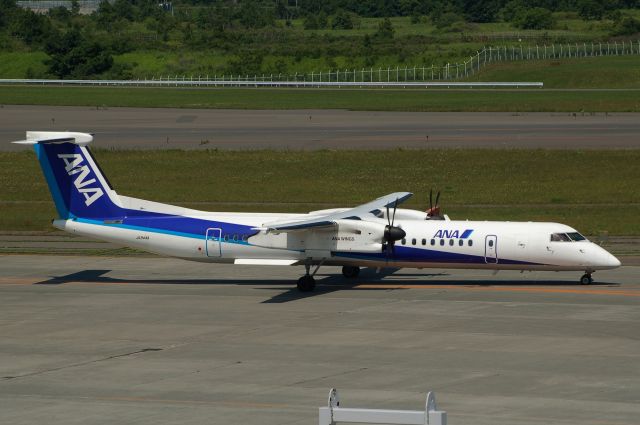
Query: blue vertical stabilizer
(77, 185)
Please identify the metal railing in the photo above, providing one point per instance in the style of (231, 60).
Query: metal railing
(199, 82)
(334, 413)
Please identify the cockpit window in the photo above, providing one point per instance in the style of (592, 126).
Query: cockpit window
(575, 236)
(560, 237)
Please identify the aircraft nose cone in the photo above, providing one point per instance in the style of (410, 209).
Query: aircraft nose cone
(613, 261)
(605, 260)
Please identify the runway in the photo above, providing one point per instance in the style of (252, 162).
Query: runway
(93, 340)
(159, 128)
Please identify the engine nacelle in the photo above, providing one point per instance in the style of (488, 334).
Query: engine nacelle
(347, 236)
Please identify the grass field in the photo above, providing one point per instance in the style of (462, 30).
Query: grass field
(605, 72)
(535, 100)
(595, 191)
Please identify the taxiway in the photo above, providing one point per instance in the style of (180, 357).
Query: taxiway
(96, 340)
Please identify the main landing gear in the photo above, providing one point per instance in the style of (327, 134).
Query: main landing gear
(350, 272)
(307, 283)
(586, 279)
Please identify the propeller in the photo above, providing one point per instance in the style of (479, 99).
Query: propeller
(433, 213)
(392, 233)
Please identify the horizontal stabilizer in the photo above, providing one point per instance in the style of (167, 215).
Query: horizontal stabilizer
(46, 137)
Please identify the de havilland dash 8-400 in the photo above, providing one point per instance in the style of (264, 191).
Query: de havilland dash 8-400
(377, 234)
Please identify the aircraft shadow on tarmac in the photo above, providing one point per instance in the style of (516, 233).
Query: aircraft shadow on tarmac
(326, 283)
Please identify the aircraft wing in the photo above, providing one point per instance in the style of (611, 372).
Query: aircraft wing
(361, 212)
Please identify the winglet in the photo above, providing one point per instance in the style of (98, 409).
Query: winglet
(42, 137)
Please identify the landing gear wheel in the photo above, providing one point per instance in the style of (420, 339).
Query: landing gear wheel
(306, 283)
(586, 279)
(350, 272)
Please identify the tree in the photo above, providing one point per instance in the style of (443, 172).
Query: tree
(385, 30)
(31, 27)
(536, 18)
(512, 9)
(311, 23)
(75, 7)
(342, 20)
(446, 19)
(482, 11)
(590, 10)
(73, 55)
(253, 15)
(626, 25)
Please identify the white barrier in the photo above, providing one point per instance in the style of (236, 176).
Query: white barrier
(249, 83)
(333, 413)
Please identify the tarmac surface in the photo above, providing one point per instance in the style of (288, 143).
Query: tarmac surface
(103, 340)
(159, 128)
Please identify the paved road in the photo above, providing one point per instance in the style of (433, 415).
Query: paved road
(326, 129)
(95, 340)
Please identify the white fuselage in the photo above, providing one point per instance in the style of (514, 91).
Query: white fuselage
(428, 243)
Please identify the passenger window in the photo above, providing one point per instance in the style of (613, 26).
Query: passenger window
(442, 242)
(244, 238)
(451, 242)
(235, 238)
(424, 241)
(470, 243)
(413, 241)
(226, 238)
(404, 241)
(460, 242)
(490, 243)
(433, 241)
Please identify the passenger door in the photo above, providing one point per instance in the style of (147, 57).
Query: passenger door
(213, 243)
(491, 249)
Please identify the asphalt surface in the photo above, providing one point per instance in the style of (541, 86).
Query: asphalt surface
(99, 340)
(157, 128)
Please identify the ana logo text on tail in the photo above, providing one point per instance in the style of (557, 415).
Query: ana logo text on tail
(72, 166)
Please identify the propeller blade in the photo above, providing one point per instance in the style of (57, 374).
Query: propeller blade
(395, 207)
(438, 199)
(388, 216)
(430, 199)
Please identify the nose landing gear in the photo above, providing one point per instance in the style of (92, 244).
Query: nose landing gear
(586, 279)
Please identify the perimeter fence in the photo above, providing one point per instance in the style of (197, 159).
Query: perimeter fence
(446, 72)
(415, 76)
